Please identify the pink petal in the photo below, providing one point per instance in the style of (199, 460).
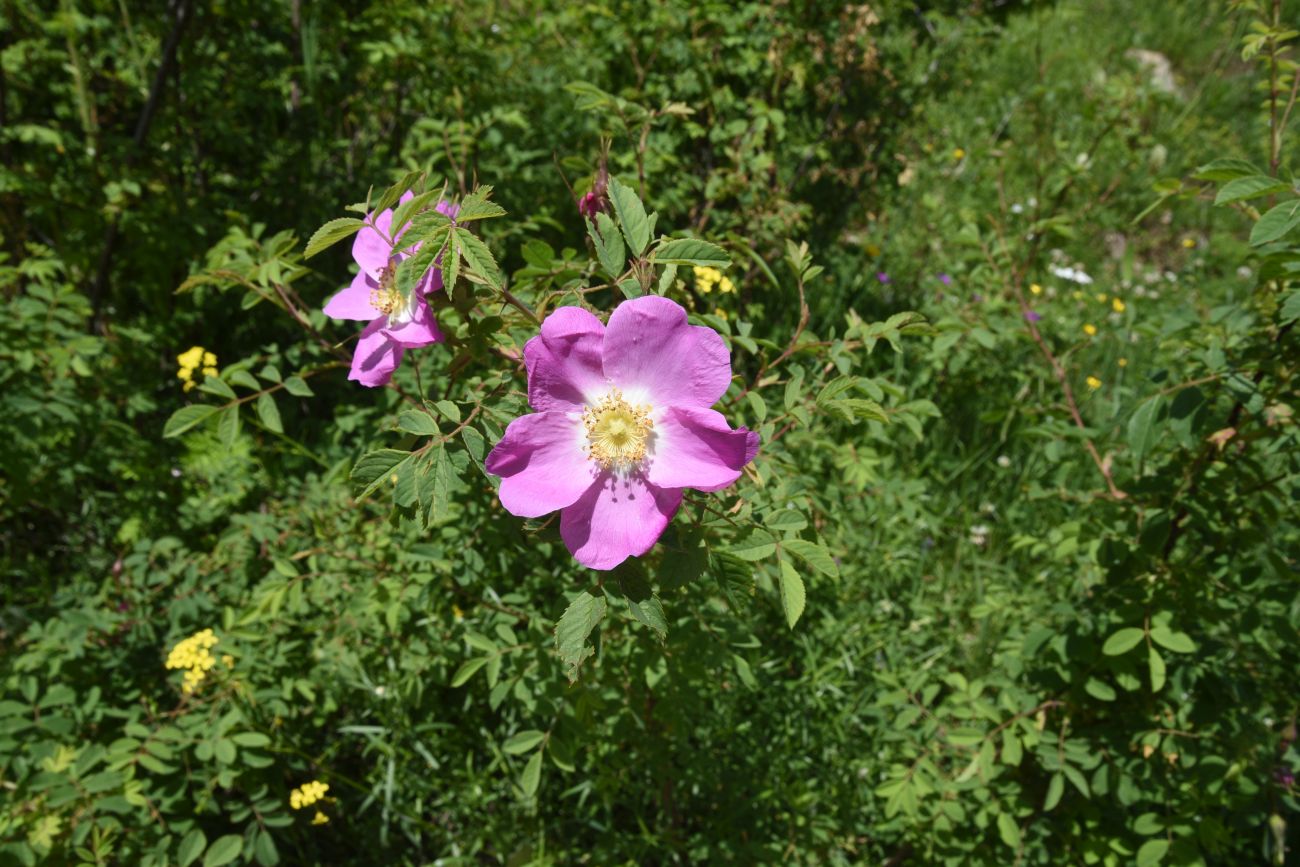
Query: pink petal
(541, 464)
(376, 356)
(617, 518)
(649, 346)
(563, 361)
(696, 448)
(421, 330)
(354, 301)
(371, 249)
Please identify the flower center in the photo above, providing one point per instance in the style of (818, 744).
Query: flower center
(386, 298)
(617, 431)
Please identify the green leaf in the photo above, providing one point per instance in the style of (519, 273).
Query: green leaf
(1008, 830)
(1123, 641)
(467, 669)
(478, 257)
(582, 616)
(473, 209)
(1178, 642)
(414, 267)
(268, 412)
(223, 851)
(531, 778)
(691, 251)
(755, 544)
(376, 468)
(264, 849)
(417, 422)
(792, 594)
(608, 243)
(449, 410)
(228, 425)
(814, 555)
(523, 741)
(1277, 222)
(250, 739)
(631, 216)
(666, 279)
(1142, 429)
(1055, 789)
(298, 387)
(631, 288)
(187, 417)
(1152, 852)
(402, 216)
(393, 193)
(641, 600)
(1225, 170)
(1099, 689)
(1156, 663)
(192, 845)
(1242, 189)
(331, 233)
(1012, 752)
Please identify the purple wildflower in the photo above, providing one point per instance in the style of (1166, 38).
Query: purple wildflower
(1032, 316)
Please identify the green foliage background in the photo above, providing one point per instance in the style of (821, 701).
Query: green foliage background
(1045, 623)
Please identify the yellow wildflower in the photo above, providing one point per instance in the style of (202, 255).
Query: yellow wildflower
(720, 313)
(456, 612)
(707, 278)
(308, 794)
(195, 656)
(1102, 297)
(1093, 383)
(726, 286)
(1123, 362)
(1189, 243)
(320, 818)
(958, 154)
(1090, 329)
(1117, 305)
(192, 359)
(1036, 289)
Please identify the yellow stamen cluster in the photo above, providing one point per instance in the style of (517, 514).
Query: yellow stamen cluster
(194, 654)
(192, 359)
(386, 298)
(617, 431)
(707, 278)
(308, 794)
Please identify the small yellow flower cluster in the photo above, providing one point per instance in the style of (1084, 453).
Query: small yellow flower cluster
(707, 278)
(192, 359)
(194, 654)
(1093, 383)
(958, 154)
(1189, 243)
(1090, 329)
(1117, 305)
(1036, 289)
(308, 794)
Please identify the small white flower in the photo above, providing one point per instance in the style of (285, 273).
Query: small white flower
(1004, 461)
(176, 472)
(1017, 208)
(1244, 272)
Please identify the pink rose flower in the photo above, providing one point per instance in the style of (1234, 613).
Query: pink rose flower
(623, 425)
(397, 322)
